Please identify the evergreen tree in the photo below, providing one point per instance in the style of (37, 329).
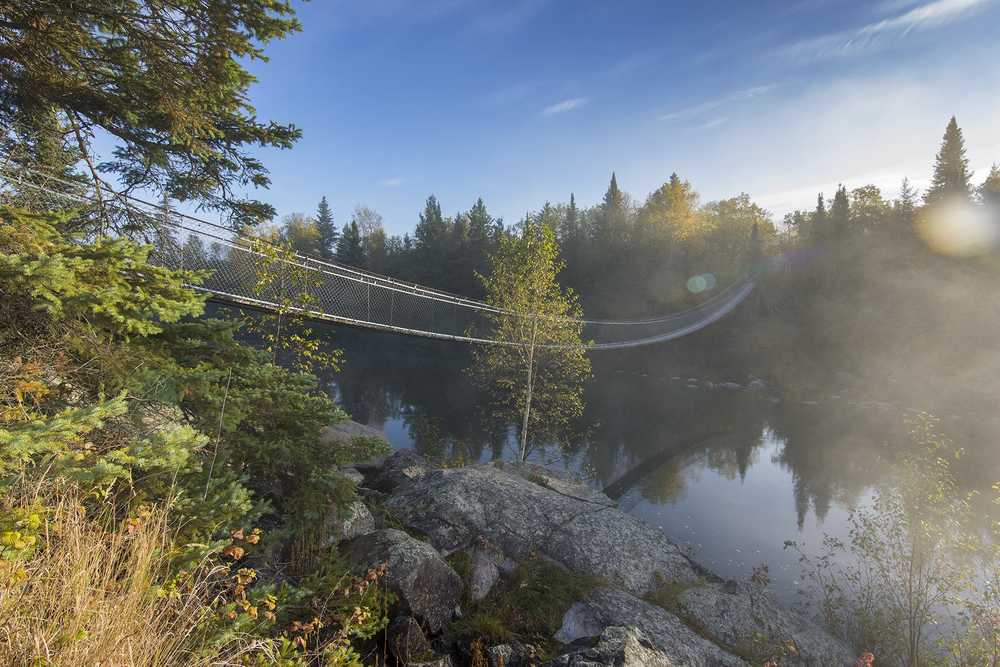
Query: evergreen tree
(611, 228)
(905, 207)
(951, 168)
(989, 191)
(327, 230)
(166, 80)
(819, 221)
(349, 248)
(569, 229)
(840, 214)
(431, 241)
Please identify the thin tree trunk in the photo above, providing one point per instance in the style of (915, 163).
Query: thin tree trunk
(527, 398)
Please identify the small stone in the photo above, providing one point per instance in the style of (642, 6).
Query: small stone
(617, 647)
(487, 564)
(512, 654)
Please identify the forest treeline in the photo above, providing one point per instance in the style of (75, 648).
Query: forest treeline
(632, 258)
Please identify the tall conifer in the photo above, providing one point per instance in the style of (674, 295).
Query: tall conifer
(327, 230)
(951, 168)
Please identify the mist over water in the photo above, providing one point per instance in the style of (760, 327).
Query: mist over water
(730, 473)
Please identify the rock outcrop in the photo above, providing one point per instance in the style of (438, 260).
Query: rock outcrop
(502, 514)
(568, 523)
(746, 616)
(606, 607)
(425, 584)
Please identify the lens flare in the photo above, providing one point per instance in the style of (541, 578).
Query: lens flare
(959, 228)
(701, 283)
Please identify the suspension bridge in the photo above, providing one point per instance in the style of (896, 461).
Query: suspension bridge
(247, 271)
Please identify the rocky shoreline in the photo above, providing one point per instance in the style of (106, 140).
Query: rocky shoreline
(461, 544)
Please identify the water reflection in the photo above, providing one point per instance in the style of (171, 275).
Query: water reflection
(730, 472)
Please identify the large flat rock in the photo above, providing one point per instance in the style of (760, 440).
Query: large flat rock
(747, 616)
(606, 608)
(522, 511)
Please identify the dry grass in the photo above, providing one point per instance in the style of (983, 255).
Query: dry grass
(91, 596)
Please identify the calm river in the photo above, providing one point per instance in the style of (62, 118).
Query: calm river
(729, 471)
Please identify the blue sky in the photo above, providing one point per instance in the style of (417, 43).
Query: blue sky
(525, 101)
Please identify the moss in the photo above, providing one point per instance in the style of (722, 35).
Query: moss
(668, 593)
(528, 605)
(461, 562)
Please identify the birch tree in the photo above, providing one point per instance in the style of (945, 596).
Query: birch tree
(536, 371)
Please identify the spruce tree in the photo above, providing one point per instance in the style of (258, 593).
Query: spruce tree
(819, 218)
(611, 229)
(840, 213)
(349, 249)
(989, 191)
(905, 207)
(167, 81)
(327, 230)
(951, 168)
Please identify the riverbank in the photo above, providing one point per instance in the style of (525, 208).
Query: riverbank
(511, 564)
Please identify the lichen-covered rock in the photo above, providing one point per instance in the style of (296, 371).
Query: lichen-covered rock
(747, 618)
(616, 647)
(425, 584)
(577, 527)
(605, 607)
(407, 641)
(512, 654)
(487, 562)
(346, 523)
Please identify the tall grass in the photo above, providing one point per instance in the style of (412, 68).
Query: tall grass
(90, 594)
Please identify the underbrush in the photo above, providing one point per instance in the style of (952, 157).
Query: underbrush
(74, 591)
(140, 446)
(528, 606)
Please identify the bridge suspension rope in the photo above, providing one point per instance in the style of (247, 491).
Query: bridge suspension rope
(245, 270)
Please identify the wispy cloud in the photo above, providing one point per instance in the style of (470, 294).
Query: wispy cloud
(394, 182)
(849, 42)
(711, 105)
(715, 122)
(564, 106)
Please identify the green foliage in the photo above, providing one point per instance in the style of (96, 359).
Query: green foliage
(293, 287)
(951, 168)
(327, 230)
(536, 375)
(349, 248)
(910, 557)
(527, 605)
(198, 422)
(166, 80)
(109, 283)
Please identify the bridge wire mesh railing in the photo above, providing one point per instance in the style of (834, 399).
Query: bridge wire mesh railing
(248, 271)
